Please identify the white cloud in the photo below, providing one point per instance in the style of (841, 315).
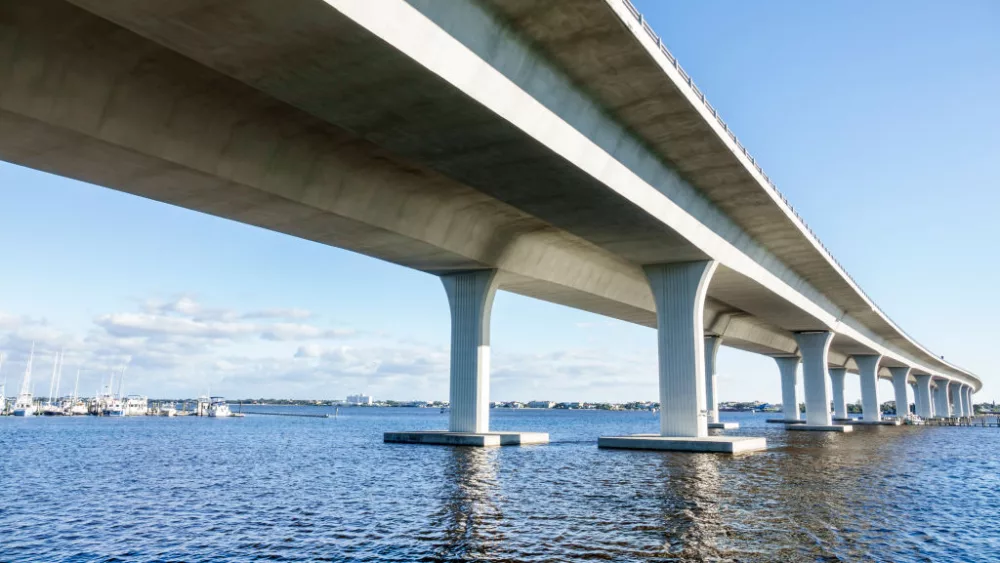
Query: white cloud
(291, 313)
(143, 324)
(292, 331)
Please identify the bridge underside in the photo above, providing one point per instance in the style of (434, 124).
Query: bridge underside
(331, 135)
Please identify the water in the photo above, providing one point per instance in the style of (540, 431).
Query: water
(303, 489)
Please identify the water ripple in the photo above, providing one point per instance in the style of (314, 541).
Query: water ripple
(288, 489)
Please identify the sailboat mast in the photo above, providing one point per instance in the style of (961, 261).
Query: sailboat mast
(76, 386)
(59, 372)
(52, 378)
(121, 379)
(26, 382)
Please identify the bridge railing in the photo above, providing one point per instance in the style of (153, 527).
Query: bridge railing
(701, 96)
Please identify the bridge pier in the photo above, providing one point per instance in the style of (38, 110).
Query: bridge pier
(679, 291)
(470, 298)
(899, 376)
(868, 370)
(712, 343)
(815, 348)
(955, 392)
(941, 407)
(787, 367)
(837, 376)
(925, 406)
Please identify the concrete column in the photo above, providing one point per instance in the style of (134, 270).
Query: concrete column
(679, 291)
(899, 375)
(966, 403)
(815, 347)
(916, 398)
(470, 295)
(942, 409)
(968, 396)
(788, 366)
(837, 376)
(923, 394)
(868, 369)
(712, 344)
(955, 392)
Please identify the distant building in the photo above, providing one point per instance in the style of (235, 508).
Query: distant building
(541, 405)
(359, 400)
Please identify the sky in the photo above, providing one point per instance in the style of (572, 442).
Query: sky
(879, 122)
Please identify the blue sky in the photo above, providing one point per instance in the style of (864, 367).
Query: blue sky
(878, 121)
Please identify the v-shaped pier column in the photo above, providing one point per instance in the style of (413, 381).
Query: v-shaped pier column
(815, 349)
(899, 376)
(470, 298)
(679, 291)
(871, 410)
(925, 405)
(837, 377)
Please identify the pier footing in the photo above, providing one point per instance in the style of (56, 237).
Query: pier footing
(485, 439)
(851, 420)
(822, 427)
(877, 422)
(783, 421)
(723, 425)
(712, 444)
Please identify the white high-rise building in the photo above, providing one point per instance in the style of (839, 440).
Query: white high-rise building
(359, 399)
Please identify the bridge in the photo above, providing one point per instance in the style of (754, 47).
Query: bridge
(552, 149)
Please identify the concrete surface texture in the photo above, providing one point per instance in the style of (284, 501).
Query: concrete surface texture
(551, 143)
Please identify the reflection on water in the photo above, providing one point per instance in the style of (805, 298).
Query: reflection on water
(470, 514)
(689, 496)
(294, 489)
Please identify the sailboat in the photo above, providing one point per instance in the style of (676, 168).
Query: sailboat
(116, 403)
(24, 405)
(53, 408)
(76, 406)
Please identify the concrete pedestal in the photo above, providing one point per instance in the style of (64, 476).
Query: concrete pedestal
(851, 420)
(784, 421)
(480, 439)
(723, 425)
(823, 427)
(711, 444)
(883, 422)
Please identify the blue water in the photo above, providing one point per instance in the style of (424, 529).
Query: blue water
(300, 489)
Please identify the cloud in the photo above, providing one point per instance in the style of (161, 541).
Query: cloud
(278, 314)
(291, 331)
(143, 324)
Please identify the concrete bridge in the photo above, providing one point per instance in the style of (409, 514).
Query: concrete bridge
(553, 149)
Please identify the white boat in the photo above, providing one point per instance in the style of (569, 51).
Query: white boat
(135, 405)
(219, 408)
(166, 409)
(74, 406)
(50, 408)
(24, 405)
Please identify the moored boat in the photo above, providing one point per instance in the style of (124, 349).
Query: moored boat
(218, 408)
(24, 405)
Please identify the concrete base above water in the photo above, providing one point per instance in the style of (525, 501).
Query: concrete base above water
(485, 439)
(846, 420)
(783, 421)
(823, 427)
(877, 422)
(713, 444)
(723, 425)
